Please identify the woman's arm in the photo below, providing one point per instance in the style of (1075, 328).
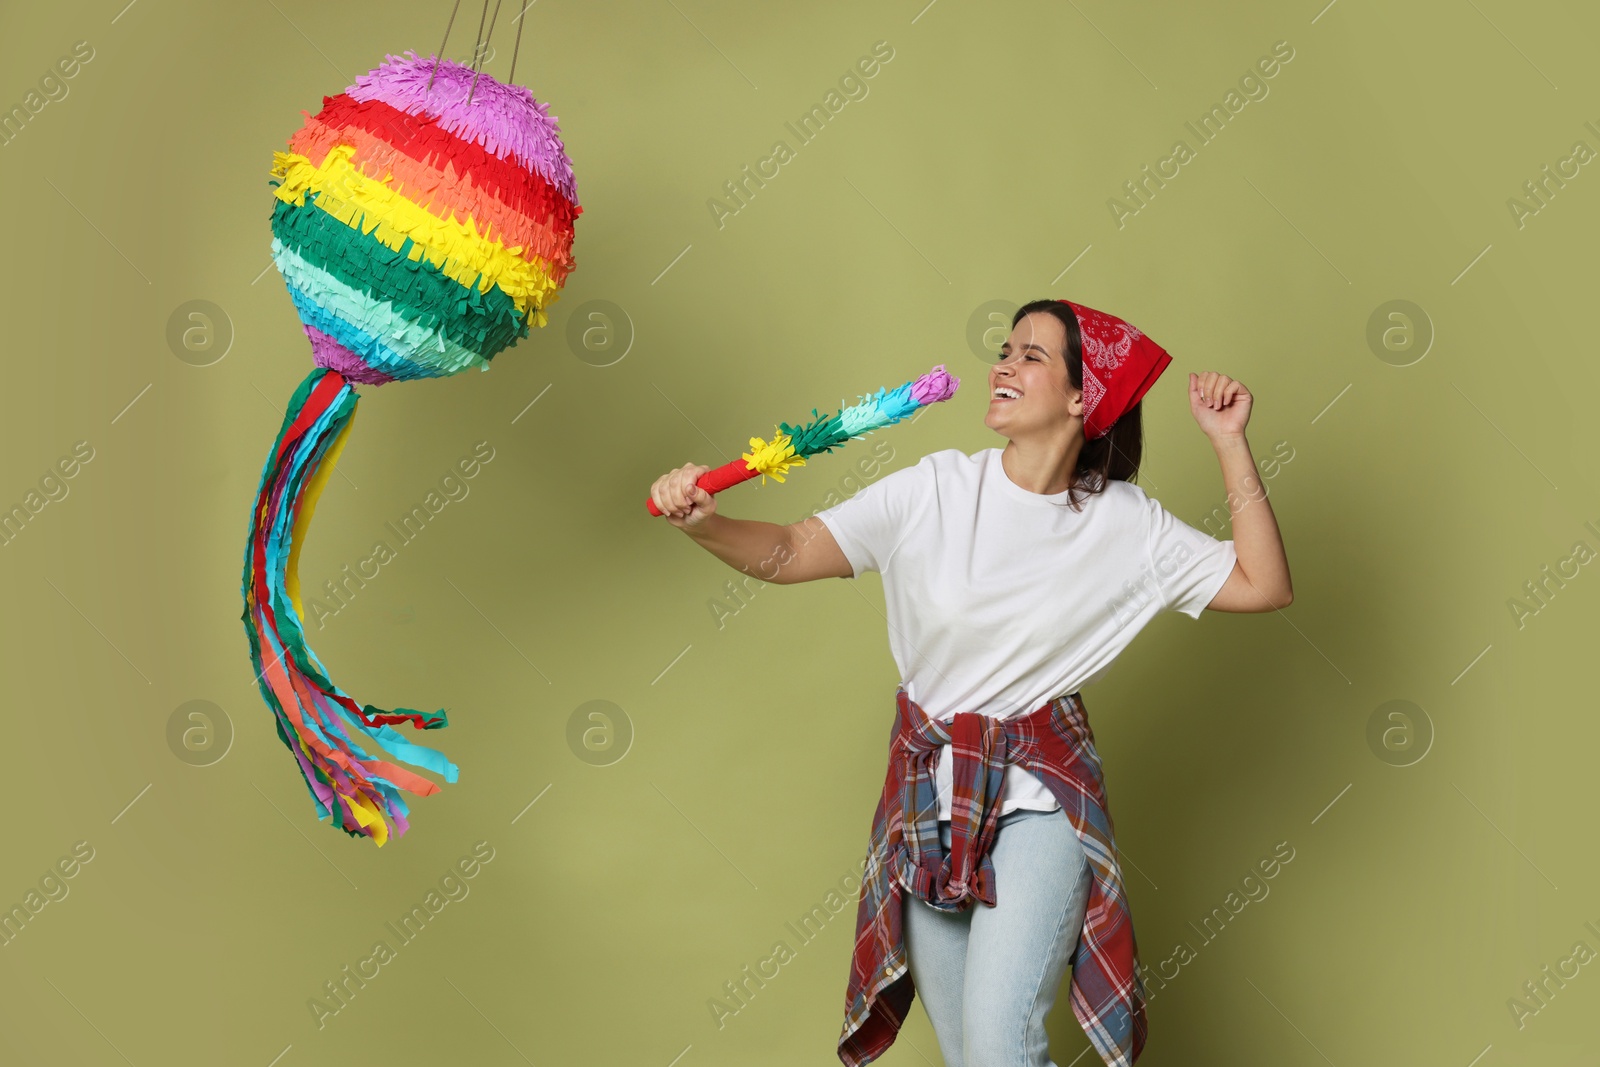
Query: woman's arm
(800, 552)
(1260, 580)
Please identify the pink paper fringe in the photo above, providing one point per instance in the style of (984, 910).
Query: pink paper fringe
(329, 353)
(505, 119)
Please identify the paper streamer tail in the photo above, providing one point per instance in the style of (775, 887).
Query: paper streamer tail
(317, 720)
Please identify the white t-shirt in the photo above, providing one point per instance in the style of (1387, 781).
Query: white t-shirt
(999, 598)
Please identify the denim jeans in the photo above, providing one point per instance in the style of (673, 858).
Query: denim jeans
(988, 977)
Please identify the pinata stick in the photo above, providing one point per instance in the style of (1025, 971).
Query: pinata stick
(791, 445)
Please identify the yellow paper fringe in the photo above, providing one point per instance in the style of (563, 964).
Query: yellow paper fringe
(774, 459)
(456, 248)
(367, 814)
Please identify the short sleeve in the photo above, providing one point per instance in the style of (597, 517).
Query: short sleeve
(870, 525)
(1189, 564)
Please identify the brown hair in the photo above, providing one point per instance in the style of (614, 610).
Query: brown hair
(1114, 457)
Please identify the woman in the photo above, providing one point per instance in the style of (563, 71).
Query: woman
(1012, 578)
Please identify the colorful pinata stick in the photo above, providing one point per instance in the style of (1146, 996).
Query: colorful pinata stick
(792, 444)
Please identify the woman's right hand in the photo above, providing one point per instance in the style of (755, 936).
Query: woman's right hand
(681, 502)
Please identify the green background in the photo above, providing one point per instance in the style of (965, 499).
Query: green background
(1419, 500)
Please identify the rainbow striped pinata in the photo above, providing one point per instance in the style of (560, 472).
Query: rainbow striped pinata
(423, 220)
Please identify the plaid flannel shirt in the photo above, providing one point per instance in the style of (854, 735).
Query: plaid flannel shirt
(1053, 742)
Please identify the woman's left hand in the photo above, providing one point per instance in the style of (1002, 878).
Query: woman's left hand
(1219, 404)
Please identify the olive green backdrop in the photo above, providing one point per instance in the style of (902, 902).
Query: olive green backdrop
(1433, 456)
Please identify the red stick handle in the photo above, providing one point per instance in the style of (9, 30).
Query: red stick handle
(715, 481)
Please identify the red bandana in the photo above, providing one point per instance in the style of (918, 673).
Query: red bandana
(1120, 364)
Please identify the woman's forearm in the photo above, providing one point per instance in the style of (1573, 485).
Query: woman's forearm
(1256, 537)
(747, 545)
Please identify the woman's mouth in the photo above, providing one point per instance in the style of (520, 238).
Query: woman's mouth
(1004, 394)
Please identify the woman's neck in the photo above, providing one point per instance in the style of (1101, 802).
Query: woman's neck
(1042, 466)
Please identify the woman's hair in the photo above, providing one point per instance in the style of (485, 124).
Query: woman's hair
(1115, 456)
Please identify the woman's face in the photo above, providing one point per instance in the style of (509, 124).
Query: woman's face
(1029, 391)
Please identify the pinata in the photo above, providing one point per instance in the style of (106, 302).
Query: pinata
(790, 445)
(422, 221)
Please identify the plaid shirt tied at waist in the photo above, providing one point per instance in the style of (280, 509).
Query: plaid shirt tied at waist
(1054, 743)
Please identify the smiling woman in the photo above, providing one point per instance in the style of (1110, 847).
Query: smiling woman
(1045, 356)
(1012, 578)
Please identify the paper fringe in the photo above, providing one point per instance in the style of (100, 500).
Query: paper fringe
(440, 172)
(791, 445)
(457, 248)
(505, 119)
(412, 290)
(317, 720)
(774, 459)
(407, 349)
(885, 408)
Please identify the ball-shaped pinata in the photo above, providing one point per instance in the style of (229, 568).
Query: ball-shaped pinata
(419, 232)
(422, 221)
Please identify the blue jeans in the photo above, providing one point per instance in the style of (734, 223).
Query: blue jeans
(988, 977)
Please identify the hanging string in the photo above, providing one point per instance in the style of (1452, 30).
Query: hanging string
(492, 21)
(446, 40)
(477, 42)
(511, 78)
(480, 44)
